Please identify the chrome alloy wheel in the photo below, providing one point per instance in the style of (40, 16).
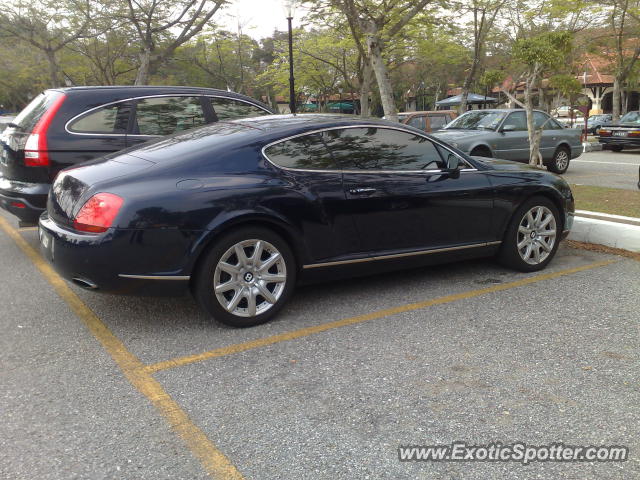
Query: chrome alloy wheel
(250, 278)
(536, 235)
(562, 160)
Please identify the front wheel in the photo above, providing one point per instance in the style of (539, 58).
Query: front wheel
(532, 238)
(246, 277)
(560, 161)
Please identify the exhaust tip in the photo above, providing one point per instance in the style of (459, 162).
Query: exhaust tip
(84, 283)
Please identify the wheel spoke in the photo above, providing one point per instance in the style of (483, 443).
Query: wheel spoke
(530, 220)
(527, 253)
(269, 262)
(264, 291)
(225, 287)
(251, 302)
(257, 253)
(546, 221)
(544, 245)
(524, 242)
(242, 256)
(523, 229)
(536, 253)
(548, 233)
(273, 278)
(237, 296)
(230, 269)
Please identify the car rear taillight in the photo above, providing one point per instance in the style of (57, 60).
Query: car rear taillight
(35, 149)
(98, 213)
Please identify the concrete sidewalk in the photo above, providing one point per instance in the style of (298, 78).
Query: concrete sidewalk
(614, 231)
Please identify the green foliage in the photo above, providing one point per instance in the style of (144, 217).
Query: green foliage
(566, 84)
(544, 51)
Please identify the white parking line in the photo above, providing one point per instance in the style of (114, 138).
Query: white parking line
(605, 163)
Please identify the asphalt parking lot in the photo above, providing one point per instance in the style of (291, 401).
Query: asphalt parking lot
(101, 387)
(606, 169)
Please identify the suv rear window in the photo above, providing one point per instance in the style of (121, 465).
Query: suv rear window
(30, 115)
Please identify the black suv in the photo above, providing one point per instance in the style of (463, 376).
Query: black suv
(66, 126)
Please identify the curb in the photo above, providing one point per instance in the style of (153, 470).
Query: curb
(591, 147)
(611, 230)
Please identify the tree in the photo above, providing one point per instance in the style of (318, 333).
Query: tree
(378, 22)
(48, 26)
(162, 26)
(567, 86)
(539, 55)
(624, 20)
(484, 14)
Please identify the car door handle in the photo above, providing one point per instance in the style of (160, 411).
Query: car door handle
(361, 190)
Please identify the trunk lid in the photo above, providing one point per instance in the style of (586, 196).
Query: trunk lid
(73, 186)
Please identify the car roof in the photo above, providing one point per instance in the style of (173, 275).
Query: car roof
(404, 114)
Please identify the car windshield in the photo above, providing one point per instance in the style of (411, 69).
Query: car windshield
(477, 120)
(631, 117)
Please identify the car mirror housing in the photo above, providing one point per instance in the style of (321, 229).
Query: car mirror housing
(453, 166)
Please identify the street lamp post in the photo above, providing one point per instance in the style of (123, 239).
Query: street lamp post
(290, 6)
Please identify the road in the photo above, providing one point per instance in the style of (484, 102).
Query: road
(97, 386)
(606, 169)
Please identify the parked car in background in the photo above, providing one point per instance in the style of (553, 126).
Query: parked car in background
(5, 120)
(429, 120)
(502, 133)
(238, 211)
(623, 134)
(67, 126)
(595, 122)
(565, 111)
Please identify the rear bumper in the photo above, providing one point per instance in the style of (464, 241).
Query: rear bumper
(623, 141)
(25, 200)
(106, 262)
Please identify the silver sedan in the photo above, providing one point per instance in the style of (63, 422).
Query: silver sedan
(502, 133)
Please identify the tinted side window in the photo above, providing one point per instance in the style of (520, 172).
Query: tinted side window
(109, 119)
(167, 115)
(542, 120)
(418, 122)
(382, 149)
(517, 120)
(228, 109)
(308, 152)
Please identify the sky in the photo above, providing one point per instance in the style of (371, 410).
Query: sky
(259, 18)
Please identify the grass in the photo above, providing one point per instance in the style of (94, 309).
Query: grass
(607, 200)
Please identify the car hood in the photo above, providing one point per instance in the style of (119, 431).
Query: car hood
(458, 135)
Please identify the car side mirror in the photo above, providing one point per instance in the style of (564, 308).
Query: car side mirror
(453, 166)
(508, 128)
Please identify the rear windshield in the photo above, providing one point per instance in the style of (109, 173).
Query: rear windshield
(631, 117)
(28, 117)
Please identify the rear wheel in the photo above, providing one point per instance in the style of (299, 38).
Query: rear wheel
(246, 277)
(532, 238)
(560, 161)
(616, 148)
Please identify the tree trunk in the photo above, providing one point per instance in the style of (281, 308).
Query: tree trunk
(374, 47)
(142, 77)
(54, 70)
(616, 99)
(534, 135)
(467, 85)
(365, 88)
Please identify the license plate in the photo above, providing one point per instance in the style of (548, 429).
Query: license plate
(619, 134)
(46, 244)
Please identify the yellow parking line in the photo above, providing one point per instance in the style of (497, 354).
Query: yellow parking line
(214, 462)
(27, 229)
(304, 332)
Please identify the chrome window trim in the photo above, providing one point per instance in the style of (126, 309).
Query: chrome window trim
(399, 255)
(86, 112)
(364, 125)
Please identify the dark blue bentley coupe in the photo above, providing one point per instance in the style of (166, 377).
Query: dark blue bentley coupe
(240, 211)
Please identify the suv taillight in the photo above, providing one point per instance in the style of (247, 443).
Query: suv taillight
(98, 213)
(35, 149)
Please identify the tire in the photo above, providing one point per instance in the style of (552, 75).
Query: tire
(248, 300)
(596, 131)
(616, 148)
(481, 152)
(515, 252)
(560, 161)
